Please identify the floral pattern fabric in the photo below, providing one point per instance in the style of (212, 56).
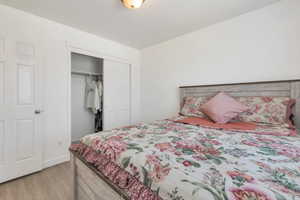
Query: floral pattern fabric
(272, 110)
(184, 162)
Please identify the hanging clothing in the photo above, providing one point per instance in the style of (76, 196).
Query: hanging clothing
(100, 87)
(92, 96)
(98, 122)
(94, 92)
(98, 116)
(100, 92)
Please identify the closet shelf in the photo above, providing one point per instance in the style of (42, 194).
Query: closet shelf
(86, 73)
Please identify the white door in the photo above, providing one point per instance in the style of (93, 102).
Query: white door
(20, 121)
(116, 94)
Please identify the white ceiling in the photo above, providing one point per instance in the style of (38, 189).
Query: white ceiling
(157, 21)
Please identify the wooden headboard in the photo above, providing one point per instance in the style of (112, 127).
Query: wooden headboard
(287, 88)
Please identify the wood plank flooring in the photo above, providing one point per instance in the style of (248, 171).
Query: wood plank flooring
(50, 184)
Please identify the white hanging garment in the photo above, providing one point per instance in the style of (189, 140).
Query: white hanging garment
(100, 92)
(89, 93)
(92, 96)
(97, 104)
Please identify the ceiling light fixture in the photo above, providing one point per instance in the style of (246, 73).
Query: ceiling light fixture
(133, 4)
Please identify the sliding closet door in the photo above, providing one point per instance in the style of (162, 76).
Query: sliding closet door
(20, 123)
(116, 94)
(4, 113)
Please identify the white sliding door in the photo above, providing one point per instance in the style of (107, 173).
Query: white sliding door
(20, 123)
(116, 94)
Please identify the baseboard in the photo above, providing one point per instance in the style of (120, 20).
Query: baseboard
(56, 161)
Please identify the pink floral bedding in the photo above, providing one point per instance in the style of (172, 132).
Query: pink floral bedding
(175, 161)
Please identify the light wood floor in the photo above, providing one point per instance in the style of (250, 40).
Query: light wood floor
(50, 184)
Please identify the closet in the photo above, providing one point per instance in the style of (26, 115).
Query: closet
(100, 95)
(86, 95)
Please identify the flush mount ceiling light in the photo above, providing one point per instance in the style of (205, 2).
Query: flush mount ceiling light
(133, 4)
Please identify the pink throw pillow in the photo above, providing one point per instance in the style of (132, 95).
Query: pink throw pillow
(222, 108)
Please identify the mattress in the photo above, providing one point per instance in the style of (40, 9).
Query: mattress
(175, 161)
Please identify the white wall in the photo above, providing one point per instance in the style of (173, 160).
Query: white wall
(258, 46)
(52, 38)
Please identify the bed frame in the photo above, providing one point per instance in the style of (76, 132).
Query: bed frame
(90, 184)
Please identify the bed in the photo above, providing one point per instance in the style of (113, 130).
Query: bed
(177, 161)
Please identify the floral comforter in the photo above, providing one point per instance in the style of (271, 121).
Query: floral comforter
(184, 162)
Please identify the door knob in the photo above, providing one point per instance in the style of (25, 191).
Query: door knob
(37, 112)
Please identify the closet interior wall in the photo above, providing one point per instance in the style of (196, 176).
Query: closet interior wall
(85, 70)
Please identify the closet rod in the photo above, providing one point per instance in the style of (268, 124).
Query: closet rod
(86, 73)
